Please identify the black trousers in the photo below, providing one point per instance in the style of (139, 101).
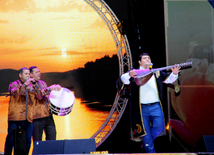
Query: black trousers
(45, 124)
(22, 130)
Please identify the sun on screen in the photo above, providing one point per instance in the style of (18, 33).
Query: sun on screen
(64, 52)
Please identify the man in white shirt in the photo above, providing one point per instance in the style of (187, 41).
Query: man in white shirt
(147, 99)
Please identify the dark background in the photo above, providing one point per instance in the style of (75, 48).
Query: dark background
(143, 23)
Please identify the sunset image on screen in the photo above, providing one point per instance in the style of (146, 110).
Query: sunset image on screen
(57, 35)
(61, 38)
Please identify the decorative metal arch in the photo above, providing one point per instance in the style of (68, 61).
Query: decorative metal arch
(125, 64)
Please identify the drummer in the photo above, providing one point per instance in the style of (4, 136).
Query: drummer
(43, 119)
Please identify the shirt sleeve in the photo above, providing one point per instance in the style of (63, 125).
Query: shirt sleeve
(171, 78)
(44, 88)
(16, 90)
(125, 78)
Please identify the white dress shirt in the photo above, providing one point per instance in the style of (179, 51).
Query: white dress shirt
(149, 91)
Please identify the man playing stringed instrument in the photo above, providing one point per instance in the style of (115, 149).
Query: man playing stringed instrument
(147, 119)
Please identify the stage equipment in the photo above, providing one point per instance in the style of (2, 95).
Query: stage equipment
(48, 147)
(125, 64)
(143, 75)
(76, 146)
(84, 146)
(61, 101)
(205, 144)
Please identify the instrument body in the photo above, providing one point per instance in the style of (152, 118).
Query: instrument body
(61, 102)
(143, 75)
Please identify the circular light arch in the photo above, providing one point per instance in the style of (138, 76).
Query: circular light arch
(125, 64)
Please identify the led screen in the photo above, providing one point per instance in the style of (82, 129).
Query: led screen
(190, 38)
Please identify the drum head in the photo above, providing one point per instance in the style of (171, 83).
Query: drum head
(61, 101)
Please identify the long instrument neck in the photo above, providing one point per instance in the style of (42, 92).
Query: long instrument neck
(143, 75)
(162, 68)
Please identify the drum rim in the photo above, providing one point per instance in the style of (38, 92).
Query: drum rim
(62, 111)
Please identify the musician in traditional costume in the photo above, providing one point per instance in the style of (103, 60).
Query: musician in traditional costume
(147, 118)
(43, 119)
(20, 112)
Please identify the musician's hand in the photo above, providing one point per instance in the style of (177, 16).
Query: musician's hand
(56, 87)
(176, 69)
(132, 73)
(29, 81)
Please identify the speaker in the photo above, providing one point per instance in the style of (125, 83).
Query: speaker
(205, 144)
(49, 147)
(76, 146)
(80, 146)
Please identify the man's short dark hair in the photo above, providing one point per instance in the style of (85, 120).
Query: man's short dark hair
(22, 69)
(31, 68)
(139, 58)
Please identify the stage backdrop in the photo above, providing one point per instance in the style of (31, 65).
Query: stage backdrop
(190, 37)
(72, 46)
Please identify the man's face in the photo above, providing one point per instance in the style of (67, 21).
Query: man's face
(145, 61)
(36, 74)
(25, 75)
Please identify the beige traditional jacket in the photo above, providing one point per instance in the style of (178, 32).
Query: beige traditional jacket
(42, 107)
(22, 101)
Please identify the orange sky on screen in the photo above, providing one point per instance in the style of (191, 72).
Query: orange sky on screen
(54, 35)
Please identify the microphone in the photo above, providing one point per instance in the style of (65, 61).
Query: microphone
(150, 65)
(33, 82)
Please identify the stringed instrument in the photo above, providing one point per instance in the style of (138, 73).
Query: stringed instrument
(143, 75)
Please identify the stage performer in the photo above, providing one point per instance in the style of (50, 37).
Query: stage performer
(43, 119)
(20, 111)
(146, 113)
